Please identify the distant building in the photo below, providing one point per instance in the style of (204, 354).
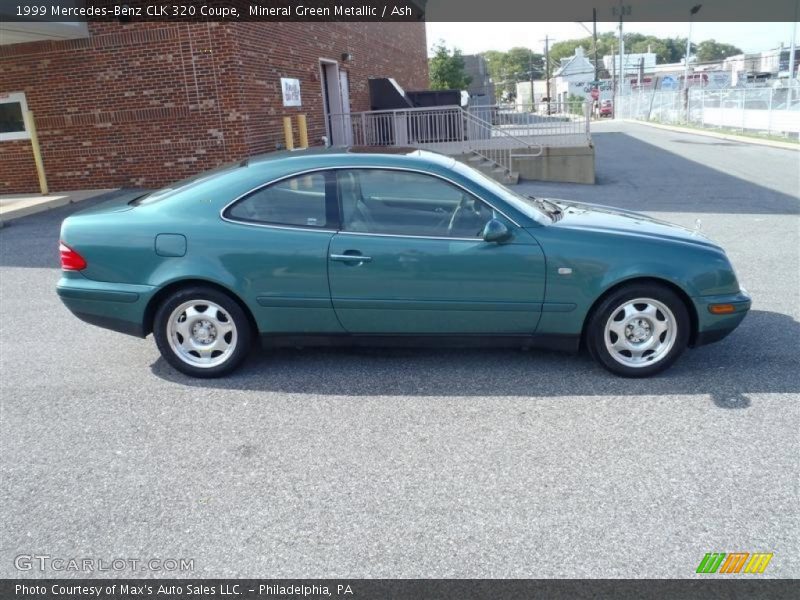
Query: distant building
(760, 66)
(751, 69)
(524, 89)
(575, 77)
(481, 88)
(631, 63)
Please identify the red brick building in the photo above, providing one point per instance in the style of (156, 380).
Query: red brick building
(143, 104)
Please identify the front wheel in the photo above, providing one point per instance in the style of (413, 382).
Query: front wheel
(639, 330)
(202, 332)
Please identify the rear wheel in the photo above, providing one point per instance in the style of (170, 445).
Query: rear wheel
(639, 330)
(202, 332)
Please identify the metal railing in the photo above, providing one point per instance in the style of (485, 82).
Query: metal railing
(774, 111)
(497, 134)
(554, 124)
(495, 144)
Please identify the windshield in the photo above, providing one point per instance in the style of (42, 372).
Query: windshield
(525, 204)
(182, 185)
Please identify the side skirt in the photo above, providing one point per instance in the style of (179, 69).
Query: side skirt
(559, 342)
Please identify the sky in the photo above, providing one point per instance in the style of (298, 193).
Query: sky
(472, 38)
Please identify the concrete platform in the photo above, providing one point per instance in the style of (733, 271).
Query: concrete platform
(14, 206)
(568, 165)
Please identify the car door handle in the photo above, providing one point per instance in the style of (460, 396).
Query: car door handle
(350, 258)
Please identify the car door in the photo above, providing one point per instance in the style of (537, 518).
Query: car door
(410, 259)
(278, 249)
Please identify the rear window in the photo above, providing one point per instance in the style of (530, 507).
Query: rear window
(183, 185)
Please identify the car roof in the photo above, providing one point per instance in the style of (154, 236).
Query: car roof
(350, 155)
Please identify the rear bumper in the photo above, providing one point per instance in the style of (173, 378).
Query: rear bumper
(116, 306)
(712, 328)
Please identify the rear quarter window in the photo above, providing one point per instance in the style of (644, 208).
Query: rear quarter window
(297, 201)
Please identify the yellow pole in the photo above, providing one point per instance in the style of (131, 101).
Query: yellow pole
(37, 153)
(302, 129)
(287, 133)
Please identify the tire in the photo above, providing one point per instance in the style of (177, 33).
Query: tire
(202, 332)
(638, 330)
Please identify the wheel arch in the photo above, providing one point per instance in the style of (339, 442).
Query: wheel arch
(172, 287)
(681, 293)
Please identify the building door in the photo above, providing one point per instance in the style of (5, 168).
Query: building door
(344, 89)
(336, 102)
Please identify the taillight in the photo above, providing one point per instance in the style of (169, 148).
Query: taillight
(70, 260)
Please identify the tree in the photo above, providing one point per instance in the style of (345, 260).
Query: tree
(711, 50)
(495, 61)
(446, 69)
(605, 42)
(566, 48)
(667, 50)
(522, 63)
(508, 68)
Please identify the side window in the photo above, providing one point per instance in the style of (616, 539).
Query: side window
(408, 203)
(298, 201)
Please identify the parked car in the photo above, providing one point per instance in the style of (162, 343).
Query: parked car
(380, 247)
(606, 108)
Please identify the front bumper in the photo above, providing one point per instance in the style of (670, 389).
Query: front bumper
(714, 327)
(116, 306)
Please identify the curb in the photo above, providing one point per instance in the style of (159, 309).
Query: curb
(714, 134)
(43, 205)
(32, 209)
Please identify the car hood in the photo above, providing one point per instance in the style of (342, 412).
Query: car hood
(596, 217)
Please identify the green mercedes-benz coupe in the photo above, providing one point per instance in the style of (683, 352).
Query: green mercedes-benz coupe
(334, 246)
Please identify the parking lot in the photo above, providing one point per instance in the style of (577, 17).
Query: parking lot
(423, 463)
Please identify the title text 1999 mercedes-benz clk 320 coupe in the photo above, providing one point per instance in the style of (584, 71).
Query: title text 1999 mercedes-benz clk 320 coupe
(352, 246)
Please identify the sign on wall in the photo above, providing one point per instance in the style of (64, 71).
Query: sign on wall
(291, 91)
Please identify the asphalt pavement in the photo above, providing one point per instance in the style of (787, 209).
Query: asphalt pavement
(422, 463)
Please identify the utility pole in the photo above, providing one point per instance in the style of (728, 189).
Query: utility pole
(624, 9)
(692, 12)
(613, 81)
(621, 51)
(792, 50)
(530, 72)
(640, 78)
(547, 69)
(594, 35)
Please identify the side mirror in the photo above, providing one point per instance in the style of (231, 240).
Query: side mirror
(495, 231)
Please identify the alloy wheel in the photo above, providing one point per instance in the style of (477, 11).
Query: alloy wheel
(640, 332)
(201, 333)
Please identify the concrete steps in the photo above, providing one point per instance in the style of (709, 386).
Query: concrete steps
(490, 168)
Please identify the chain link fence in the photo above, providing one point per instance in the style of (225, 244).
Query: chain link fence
(766, 111)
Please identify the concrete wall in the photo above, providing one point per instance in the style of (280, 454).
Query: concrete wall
(571, 165)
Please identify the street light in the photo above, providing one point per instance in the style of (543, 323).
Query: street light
(692, 12)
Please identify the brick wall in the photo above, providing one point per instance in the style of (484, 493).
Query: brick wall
(148, 103)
